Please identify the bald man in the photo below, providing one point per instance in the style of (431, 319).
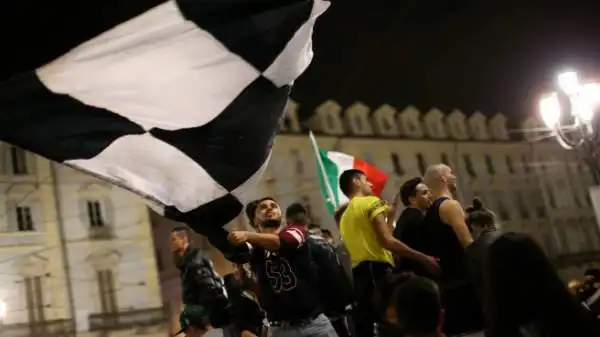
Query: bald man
(445, 235)
(442, 182)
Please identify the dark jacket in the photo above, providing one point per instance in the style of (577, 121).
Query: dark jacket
(477, 255)
(201, 285)
(246, 312)
(335, 288)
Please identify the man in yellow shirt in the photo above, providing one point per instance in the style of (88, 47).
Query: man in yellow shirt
(369, 240)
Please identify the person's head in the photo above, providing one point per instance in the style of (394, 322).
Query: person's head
(194, 321)
(479, 218)
(440, 179)
(314, 229)
(419, 308)
(521, 286)
(297, 214)
(338, 214)
(414, 193)
(387, 289)
(263, 209)
(180, 239)
(326, 234)
(354, 182)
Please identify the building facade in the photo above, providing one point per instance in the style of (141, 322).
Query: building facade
(532, 184)
(77, 256)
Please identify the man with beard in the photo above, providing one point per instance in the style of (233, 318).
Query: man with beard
(445, 235)
(202, 288)
(368, 237)
(416, 198)
(281, 261)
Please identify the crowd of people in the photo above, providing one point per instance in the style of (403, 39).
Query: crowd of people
(443, 270)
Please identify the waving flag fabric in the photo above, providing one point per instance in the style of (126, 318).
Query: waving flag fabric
(331, 165)
(179, 104)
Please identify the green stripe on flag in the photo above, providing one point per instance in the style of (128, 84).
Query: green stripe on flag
(329, 171)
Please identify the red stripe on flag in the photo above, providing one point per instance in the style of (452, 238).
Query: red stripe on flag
(377, 177)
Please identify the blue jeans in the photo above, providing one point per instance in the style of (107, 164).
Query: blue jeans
(318, 327)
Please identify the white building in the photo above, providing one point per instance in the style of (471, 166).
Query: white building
(77, 256)
(532, 184)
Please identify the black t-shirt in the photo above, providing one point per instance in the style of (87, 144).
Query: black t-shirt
(287, 280)
(408, 230)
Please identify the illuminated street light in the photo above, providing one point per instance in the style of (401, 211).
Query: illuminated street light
(569, 112)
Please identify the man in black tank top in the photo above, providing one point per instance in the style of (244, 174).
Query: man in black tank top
(445, 235)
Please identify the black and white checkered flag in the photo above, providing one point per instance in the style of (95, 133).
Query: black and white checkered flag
(179, 104)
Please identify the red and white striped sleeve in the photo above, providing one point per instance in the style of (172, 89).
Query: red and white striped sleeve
(293, 236)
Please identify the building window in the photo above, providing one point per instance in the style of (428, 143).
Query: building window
(422, 164)
(489, 164)
(551, 198)
(94, 211)
(444, 158)
(297, 158)
(24, 219)
(502, 210)
(509, 165)
(385, 124)
(396, 164)
(469, 166)
(526, 166)
(523, 211)
(305, 201)
(369, 157)
(106, 291)
(18, 159)
(34, 300)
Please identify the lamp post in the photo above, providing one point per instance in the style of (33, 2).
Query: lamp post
(569, 112)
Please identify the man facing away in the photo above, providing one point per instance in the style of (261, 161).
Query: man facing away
(280, 258)
(368, 237)
(419, 310)
(202, 288)
(416, 197)
(334, 287)
(445, 235)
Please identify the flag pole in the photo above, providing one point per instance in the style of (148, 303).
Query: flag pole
(323, 172)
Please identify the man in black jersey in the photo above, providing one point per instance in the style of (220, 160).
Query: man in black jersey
(445, 235)
(281, 261)
(416, 197)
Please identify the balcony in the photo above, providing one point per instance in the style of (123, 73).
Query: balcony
(127, 319)
(575, 259)
(54, 328)
(20, 239)
(104, 232)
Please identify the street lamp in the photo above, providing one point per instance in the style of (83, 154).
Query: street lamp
(569, 111)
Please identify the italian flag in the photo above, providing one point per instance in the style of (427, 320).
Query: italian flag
(331, 164)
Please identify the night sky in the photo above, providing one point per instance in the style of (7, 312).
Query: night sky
(489, 55)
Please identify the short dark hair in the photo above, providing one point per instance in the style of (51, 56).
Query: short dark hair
(182, 231)
(409, 189)
(347, 178)
(326, 232)
(388, 285)
(314, 226)
(592, 272)
(418, 305)
(295, 209)
(251, 208)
